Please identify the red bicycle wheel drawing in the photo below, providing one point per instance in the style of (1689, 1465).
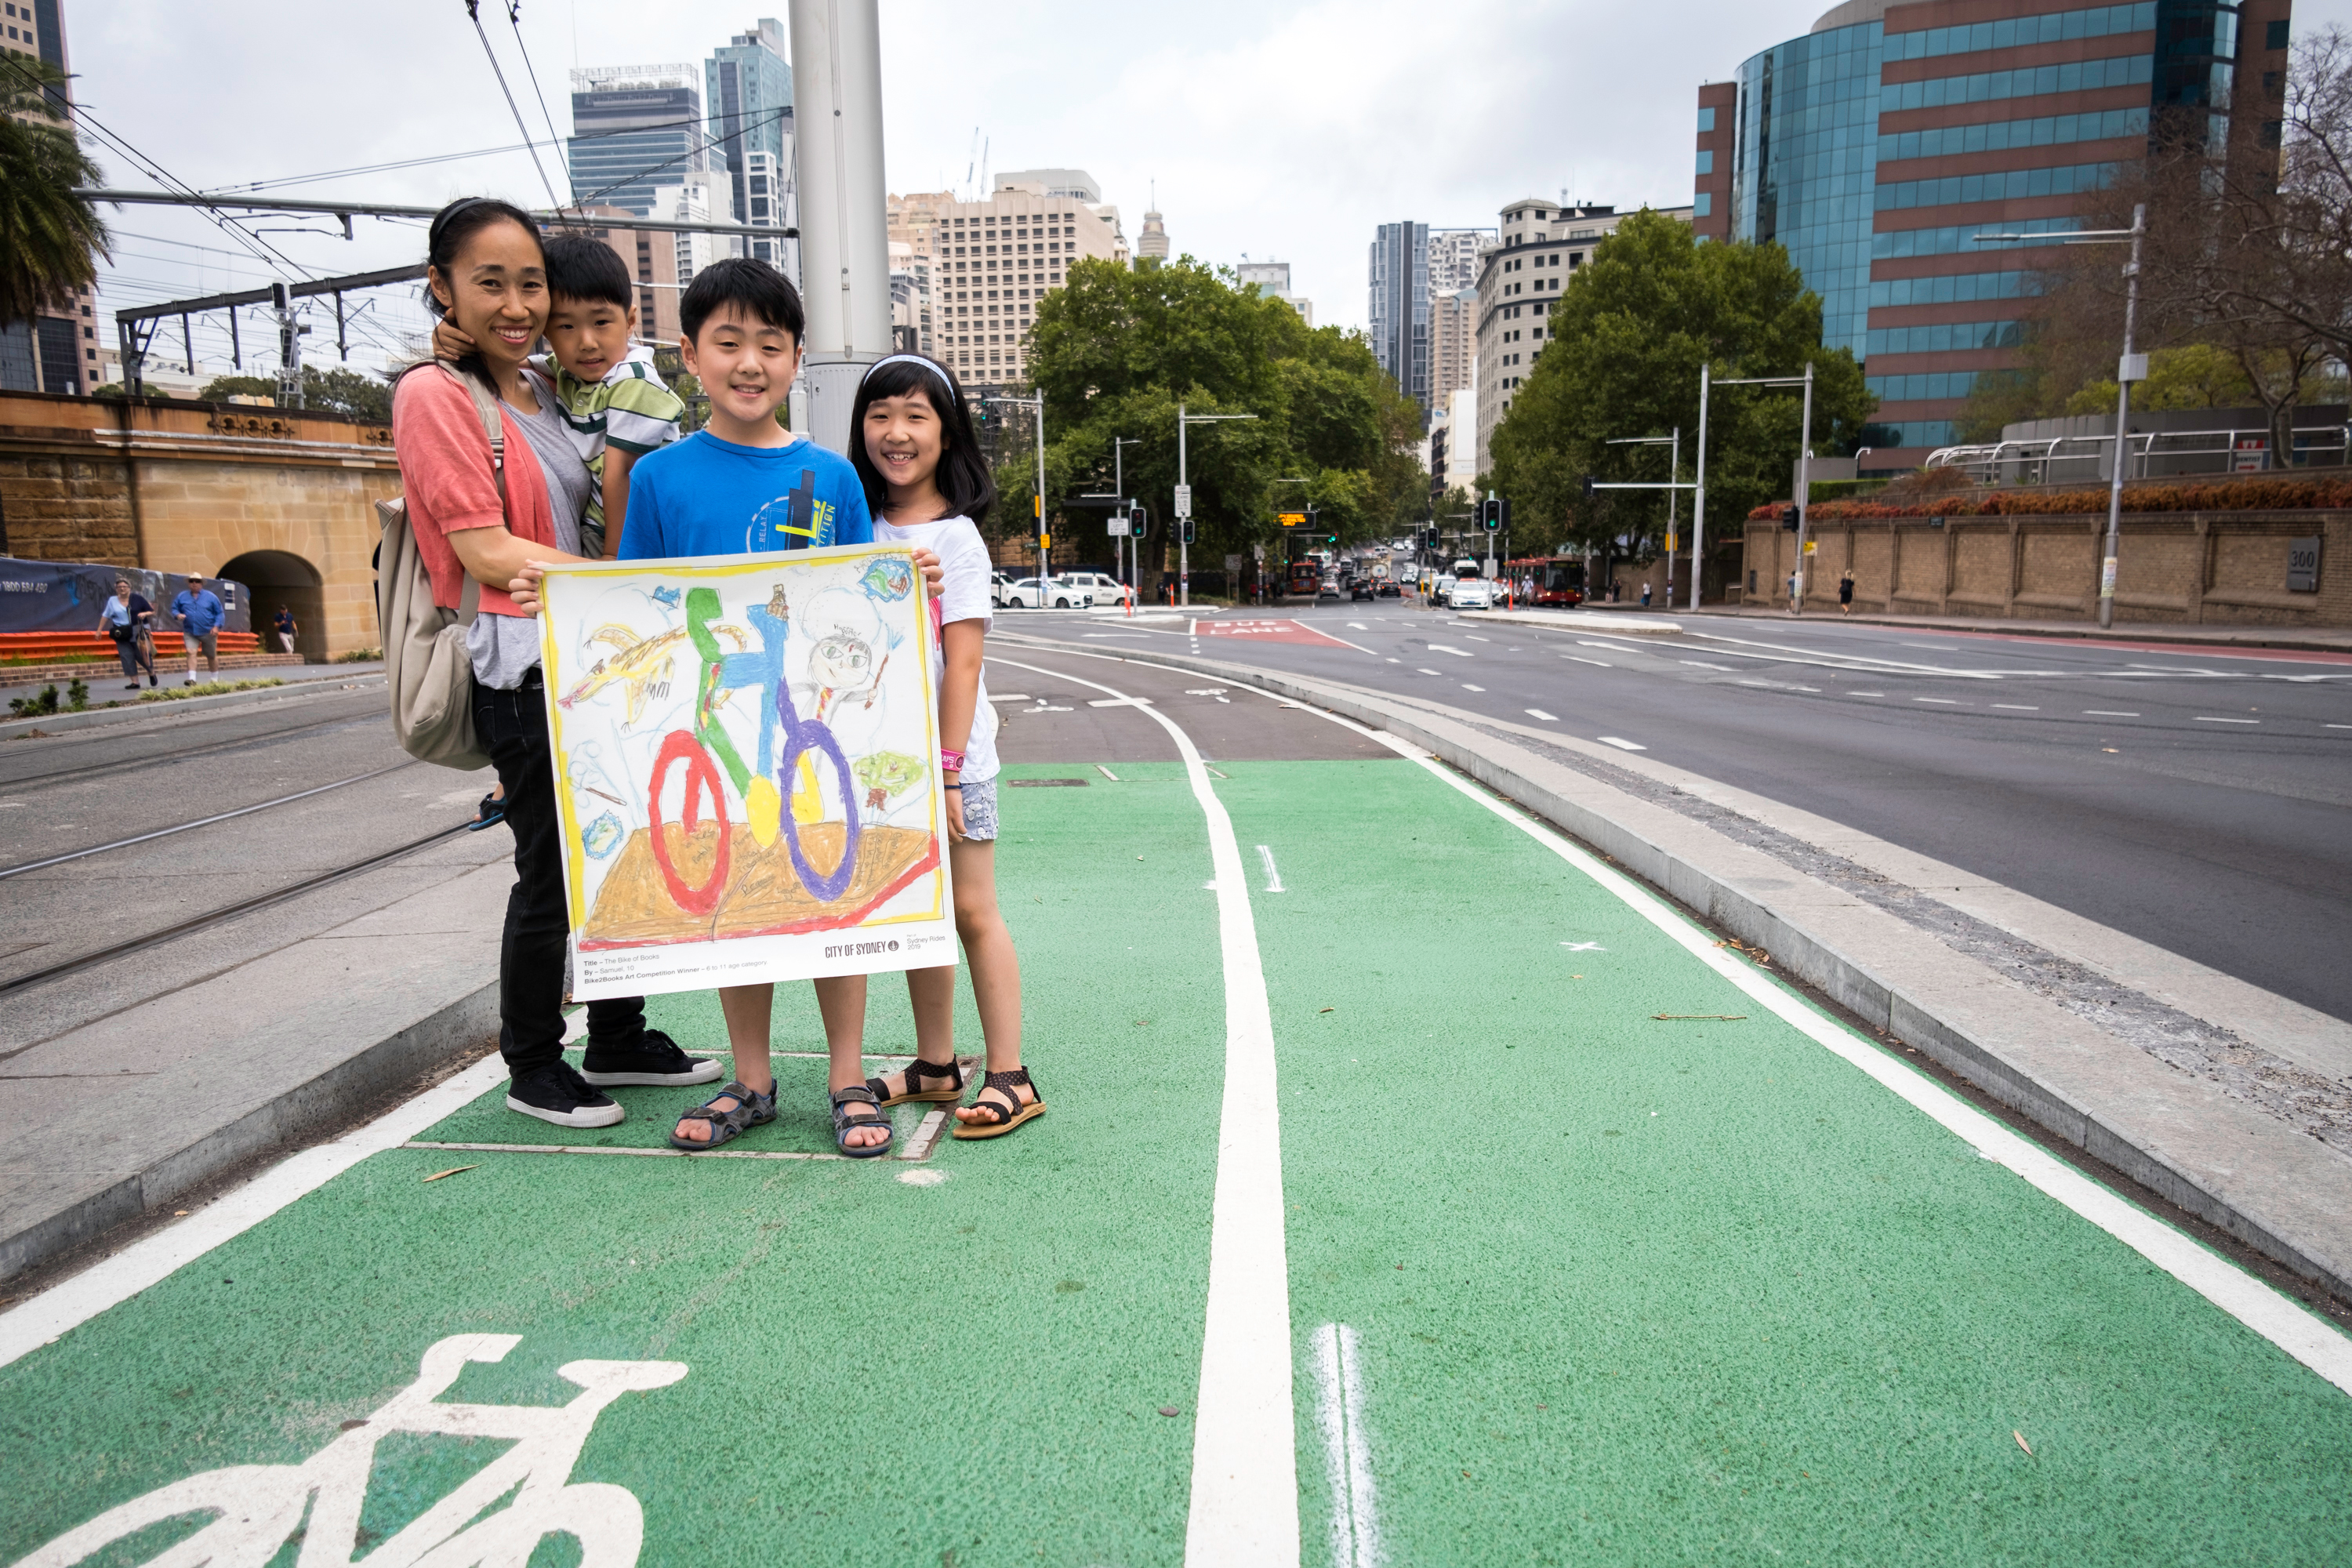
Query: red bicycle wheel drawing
(701, 779)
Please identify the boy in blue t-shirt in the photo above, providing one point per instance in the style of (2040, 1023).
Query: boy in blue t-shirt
(745, 485)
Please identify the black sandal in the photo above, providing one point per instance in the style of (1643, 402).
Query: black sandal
(751, 1109)
(843, 1099)
(1004, 1083)
(915, 1070)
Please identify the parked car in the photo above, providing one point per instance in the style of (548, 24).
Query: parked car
(1000, 583)
(1030, 594)
(1105, 588)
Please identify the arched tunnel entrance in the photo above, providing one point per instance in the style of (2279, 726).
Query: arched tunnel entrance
(276, 578)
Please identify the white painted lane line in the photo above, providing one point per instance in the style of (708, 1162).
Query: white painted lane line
(1106, 772)
(1597, 663)
(1467, 687)
(1865, 694)
(1244, 1504)
(1118, 702)
(1357, 627)
(1396, 661)
(2106, 713)
(1456, 652)
(1701, 665)
(2283, 1322)
(1472, 636)
(1418, 672)
(1948, 701)
(1540, 713)
(2339, 726)
(1273, 877)
(1216, 691)
(2017, 707)
(1942, 648)
(1347, 1450)
(1620, 744)
(75, 1301)
(2201, 718)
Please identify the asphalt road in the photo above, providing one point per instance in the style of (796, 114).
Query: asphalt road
(2195, 798)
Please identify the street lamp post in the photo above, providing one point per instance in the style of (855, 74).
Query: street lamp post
(1673, 489)
(1698, 498)
(1804, 476)
(1119, 445)
(1184, 496)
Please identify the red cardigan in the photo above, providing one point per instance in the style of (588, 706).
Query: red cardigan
(446, 474)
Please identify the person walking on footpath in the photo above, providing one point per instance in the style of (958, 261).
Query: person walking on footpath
(198, 610)
(485, 271)
(1645, 595)
(1845, 594)
(283, 625)
(126, 619)
(926, 482)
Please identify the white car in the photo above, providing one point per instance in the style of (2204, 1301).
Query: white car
(1470, 593)
(1029, 593)
(1106, 590)
(999, 585)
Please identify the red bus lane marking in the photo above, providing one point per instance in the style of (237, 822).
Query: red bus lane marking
(1268, 631)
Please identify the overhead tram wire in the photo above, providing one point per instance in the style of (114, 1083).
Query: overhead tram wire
(514, 19)
(473, 13)
(276, 180)
(706, 143)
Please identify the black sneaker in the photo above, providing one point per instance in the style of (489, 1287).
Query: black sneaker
(655, 1058)
(556, 1093)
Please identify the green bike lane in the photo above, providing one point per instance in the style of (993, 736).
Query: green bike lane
(1566, 1282)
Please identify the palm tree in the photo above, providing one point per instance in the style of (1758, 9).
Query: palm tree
(48, 235)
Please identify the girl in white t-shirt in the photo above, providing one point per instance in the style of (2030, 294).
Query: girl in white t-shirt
(927, 486)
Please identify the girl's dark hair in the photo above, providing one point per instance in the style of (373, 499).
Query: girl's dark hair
(962, 476)
(452, 225)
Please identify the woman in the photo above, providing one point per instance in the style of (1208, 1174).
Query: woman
(126, 618)
(1845, 594)
(485, 275)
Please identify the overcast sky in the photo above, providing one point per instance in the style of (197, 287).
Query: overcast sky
(1274, 129)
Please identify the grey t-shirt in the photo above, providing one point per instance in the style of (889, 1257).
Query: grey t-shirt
(505, 648)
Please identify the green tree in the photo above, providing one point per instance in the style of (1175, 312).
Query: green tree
(1627, 338)
(1117, 350)
(332, 391)
(48, 235)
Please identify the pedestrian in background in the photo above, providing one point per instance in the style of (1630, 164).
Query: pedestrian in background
(198, 610)
(1645, 595)
(126, 619)
(285, 628)
(1845, 594)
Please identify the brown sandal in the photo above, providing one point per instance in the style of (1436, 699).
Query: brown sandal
(916, 1070)
(1008, 1116)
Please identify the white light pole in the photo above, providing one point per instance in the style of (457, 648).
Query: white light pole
(844, 234)
(1804, 453)
(1698, 497)
(1119, 445)
(1184, 496)
(1673, 489)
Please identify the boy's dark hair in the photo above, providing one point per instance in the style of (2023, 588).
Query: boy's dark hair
(764, 294)
(582, 268)
(962, 477)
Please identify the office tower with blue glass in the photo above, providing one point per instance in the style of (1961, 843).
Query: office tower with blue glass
(1399, 316)
(748, 85)
(634, 128)
(1880, 143)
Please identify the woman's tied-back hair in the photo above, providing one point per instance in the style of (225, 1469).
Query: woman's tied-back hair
(452, 225)
(963, 479)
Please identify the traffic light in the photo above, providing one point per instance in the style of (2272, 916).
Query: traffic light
(1591, 487)
(1187, 525)
(1789, 518)
(1490, 514)
(1503, 515)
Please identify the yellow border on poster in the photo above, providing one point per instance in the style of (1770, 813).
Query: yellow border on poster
(687, 566)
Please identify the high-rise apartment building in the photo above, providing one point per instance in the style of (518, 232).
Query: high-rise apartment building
(1520, 277)
(1453, 342)
(634, 128)
(1273, 280)
(1454, 258)
(1877, 146)
(991, 261)
(1399, 315)
(748, 90)
(56, 350)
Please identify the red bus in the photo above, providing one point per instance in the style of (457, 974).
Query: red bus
(1559, 580)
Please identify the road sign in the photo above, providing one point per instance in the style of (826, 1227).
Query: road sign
(1812, 545)
(1183, 500)
(1291, 519)
(1232, 563)
(1118, 526)
(2302, 565)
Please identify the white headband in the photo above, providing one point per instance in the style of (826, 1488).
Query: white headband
(910, 359)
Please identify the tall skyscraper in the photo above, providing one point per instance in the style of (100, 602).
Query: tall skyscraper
(1879, 144)
(1400, 306)
(634, 128)
(56, 350)
(748, 85)
(1454, 258)
(1152, 243)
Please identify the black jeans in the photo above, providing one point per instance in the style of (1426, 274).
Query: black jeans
(513, 726)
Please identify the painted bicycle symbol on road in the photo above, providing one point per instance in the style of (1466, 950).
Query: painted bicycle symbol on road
(258, 1508)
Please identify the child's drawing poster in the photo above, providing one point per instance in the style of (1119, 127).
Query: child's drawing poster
(747, 761)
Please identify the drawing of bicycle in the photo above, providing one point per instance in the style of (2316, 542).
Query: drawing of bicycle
(259, 1507)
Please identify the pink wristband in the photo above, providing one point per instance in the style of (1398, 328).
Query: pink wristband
(950, 761)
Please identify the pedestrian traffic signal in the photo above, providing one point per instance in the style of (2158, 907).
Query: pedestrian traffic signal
(1589, 487)
(1186, 523)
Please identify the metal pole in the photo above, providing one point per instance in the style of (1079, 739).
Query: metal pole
(1804, 496)
(2123, 424)
(1043, 550)
(1674, 499)
(1183, 550)
(845, 249)
(1698, 495)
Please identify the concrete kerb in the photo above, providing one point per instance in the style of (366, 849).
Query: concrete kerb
(60, 723)
(2044, 1078)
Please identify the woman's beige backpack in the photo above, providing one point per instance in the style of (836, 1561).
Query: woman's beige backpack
(426, 665)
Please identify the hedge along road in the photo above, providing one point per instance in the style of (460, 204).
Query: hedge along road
(1519, 1271)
